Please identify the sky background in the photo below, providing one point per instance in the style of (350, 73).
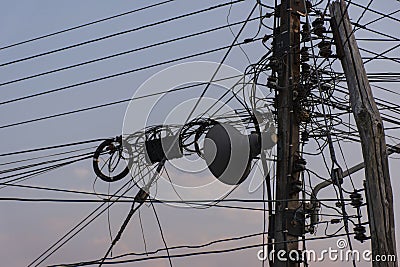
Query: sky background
(28, 229)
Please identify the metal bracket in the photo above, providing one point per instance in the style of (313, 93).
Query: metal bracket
(295, 221)
(281, 43)
(337, 176)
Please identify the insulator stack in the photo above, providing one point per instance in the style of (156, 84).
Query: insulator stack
(274, 64)
(305, 33)
(318, 27)
(305, 69)
(325, 49)
(325, 87)
(359, 233)
(272, 82)
(305, 56)
(299, 165)
(356, 199)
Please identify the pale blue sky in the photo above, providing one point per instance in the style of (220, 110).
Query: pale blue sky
(27, 229)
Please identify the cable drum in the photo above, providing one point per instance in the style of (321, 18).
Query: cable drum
(114, 151)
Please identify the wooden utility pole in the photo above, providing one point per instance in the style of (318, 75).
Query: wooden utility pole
(370, 126)
(288, 225)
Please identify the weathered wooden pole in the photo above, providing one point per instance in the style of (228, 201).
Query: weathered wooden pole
(287, 229)
(371, 130)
